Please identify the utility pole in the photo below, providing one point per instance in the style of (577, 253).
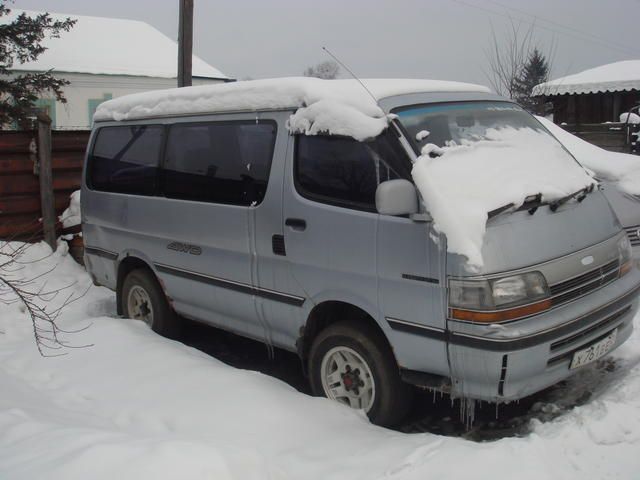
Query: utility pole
(185, 43)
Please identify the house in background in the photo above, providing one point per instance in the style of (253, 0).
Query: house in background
(596, 95)
(105, 58)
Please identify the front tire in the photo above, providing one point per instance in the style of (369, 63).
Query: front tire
(143, 299)
(354, 365)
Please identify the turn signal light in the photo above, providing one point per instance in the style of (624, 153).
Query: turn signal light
(625, 268)
(501, 315)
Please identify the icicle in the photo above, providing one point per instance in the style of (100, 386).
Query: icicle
(467, 411)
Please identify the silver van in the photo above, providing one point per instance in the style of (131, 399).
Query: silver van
(200, 206)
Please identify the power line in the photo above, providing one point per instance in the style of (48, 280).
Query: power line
(624, 50)
(558, 24)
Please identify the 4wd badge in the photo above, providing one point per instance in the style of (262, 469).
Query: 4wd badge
(185, 248)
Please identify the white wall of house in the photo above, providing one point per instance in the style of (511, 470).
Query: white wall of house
(86, 91)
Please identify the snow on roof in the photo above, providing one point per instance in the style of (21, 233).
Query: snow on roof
(613, 77)
(111, 46)
(270, 94)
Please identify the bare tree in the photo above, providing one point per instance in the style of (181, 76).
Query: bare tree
(508, 57)
(43, 305)
(327, 70)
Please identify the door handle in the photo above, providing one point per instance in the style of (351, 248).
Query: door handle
(296, 223)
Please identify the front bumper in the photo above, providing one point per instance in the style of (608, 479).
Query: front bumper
(513, 361)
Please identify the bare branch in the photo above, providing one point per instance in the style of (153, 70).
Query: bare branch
(34, 294)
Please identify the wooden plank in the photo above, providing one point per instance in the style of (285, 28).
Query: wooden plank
(13, 163)
(25, 184)
(20, 202)
(21, 163)
(31, 203)
(604, 139)
(45, 176)
(19, 225)
(62, 141)
(594, 127)
(68, 161)
(74, 141)
(16, 142)
(25, 227)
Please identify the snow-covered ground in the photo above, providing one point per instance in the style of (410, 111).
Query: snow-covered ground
(134, 405)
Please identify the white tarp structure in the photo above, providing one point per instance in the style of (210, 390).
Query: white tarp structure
(613, 77)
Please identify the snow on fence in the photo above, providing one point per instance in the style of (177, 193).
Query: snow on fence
(20, 209)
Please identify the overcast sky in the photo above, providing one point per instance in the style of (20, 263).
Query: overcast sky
(443, 39)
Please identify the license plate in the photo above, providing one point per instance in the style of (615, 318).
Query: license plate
(594, 352)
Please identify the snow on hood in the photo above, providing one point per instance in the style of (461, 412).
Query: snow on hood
(465, 182)
(621, 169)
(340, 107)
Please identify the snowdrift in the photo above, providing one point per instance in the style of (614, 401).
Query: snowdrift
(137, 406)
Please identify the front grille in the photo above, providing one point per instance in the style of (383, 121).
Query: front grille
(581, 285)
(632, 233)
(603, 324)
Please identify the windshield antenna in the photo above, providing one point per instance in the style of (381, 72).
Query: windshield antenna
(405, 144)
(351, 73)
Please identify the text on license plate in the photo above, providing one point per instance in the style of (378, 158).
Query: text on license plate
(594, 351)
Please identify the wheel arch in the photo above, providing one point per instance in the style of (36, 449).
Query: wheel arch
(126, 264)
(329, 312)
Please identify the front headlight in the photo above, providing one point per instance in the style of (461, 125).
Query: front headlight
(624, 255)
(498, 299)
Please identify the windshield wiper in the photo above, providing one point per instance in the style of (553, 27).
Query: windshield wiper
(499, 210)
(531, 204)
(579, 195)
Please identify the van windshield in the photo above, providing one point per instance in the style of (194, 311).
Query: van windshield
(448, 124)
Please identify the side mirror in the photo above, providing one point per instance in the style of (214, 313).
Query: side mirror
(396, 197)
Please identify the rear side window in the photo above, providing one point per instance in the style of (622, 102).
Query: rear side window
(125, 159)
(345, 172)
(219, 162)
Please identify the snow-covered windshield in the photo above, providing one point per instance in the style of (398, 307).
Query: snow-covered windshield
(448, 124)
(478, 157)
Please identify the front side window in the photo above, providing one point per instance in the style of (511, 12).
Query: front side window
(219, 162)
(125, 159)
(345, 172)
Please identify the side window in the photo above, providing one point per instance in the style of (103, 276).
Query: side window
(219, 162)
(125, 159)
(342, 171)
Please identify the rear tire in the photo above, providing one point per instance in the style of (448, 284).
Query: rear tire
(142, 298)
(354, 365)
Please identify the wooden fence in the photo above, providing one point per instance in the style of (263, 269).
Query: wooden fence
(20, 210)
(616, 137)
